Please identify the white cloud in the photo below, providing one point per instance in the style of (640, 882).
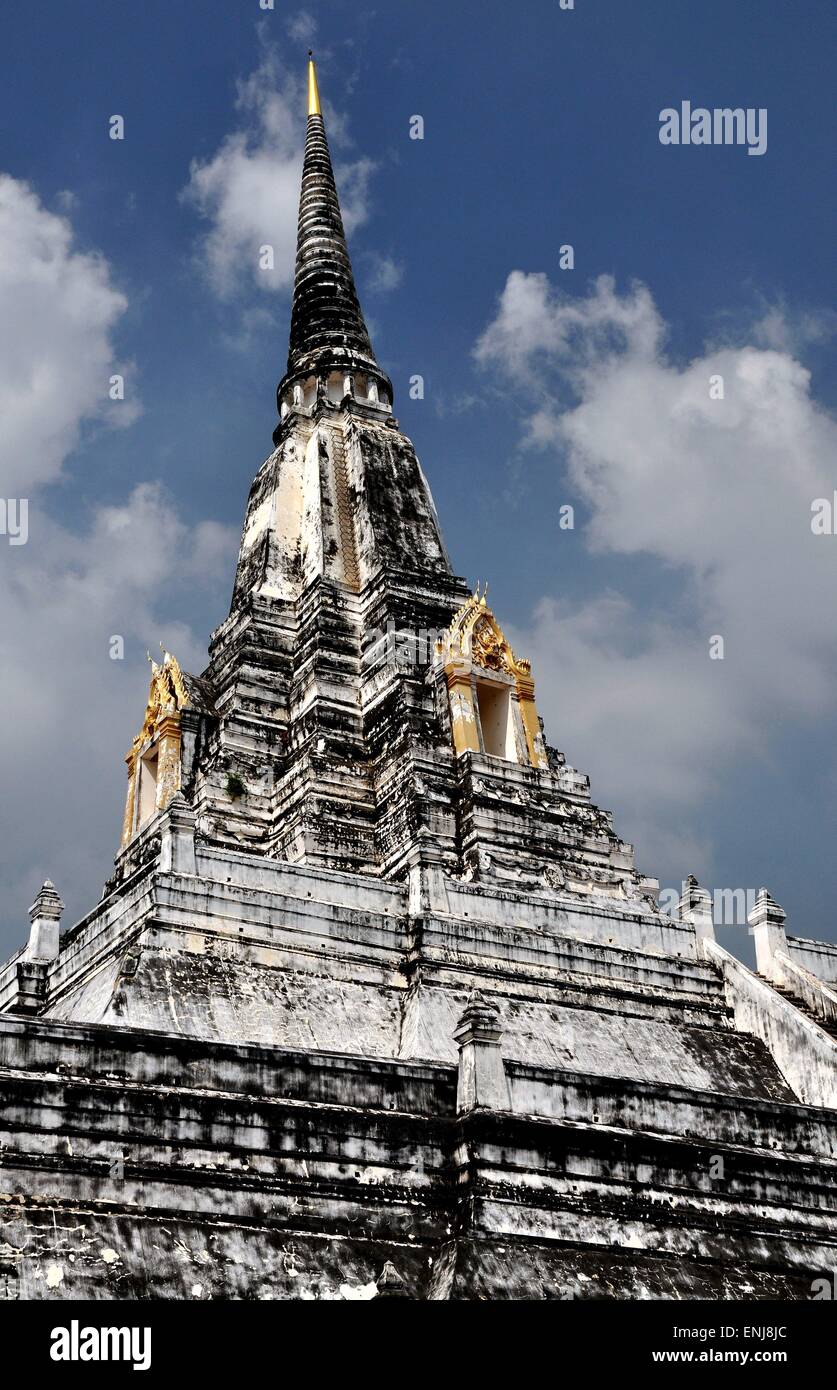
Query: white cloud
(302, 27)
(719, 494)
(69, 711)
(59, 308)
(249, 190)
(534, 318)
(386, 275)
(785, 331)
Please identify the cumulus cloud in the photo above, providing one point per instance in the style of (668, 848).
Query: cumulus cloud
(718, 493)
(789, 331)
(386, 275)
(534, 318)
(248, 191)
(58, 307)
(302, 27)
(68, 708)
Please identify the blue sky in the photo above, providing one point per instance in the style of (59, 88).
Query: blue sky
(541, 129)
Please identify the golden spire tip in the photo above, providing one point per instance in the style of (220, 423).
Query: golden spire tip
(313, 92)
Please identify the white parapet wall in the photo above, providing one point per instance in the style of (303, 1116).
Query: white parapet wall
(820, 957)
(818, 997)
(803, 1052)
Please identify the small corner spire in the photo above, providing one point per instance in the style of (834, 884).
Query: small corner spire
(314, 108)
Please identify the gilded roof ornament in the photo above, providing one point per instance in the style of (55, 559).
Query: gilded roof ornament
(167, 695)
(476, 634)
(314, 108)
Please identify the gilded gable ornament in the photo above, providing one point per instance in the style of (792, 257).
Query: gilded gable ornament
(167, 695)
(488, 646)
(474, 644)
(154, 758)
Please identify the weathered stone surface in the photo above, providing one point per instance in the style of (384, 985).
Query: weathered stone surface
(144, 1163)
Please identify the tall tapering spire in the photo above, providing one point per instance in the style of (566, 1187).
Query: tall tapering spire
(327, 324)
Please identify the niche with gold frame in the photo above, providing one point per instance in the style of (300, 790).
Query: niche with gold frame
(154, 768)
(491, 692)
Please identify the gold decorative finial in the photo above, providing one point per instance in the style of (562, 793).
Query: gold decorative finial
(313, 92)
